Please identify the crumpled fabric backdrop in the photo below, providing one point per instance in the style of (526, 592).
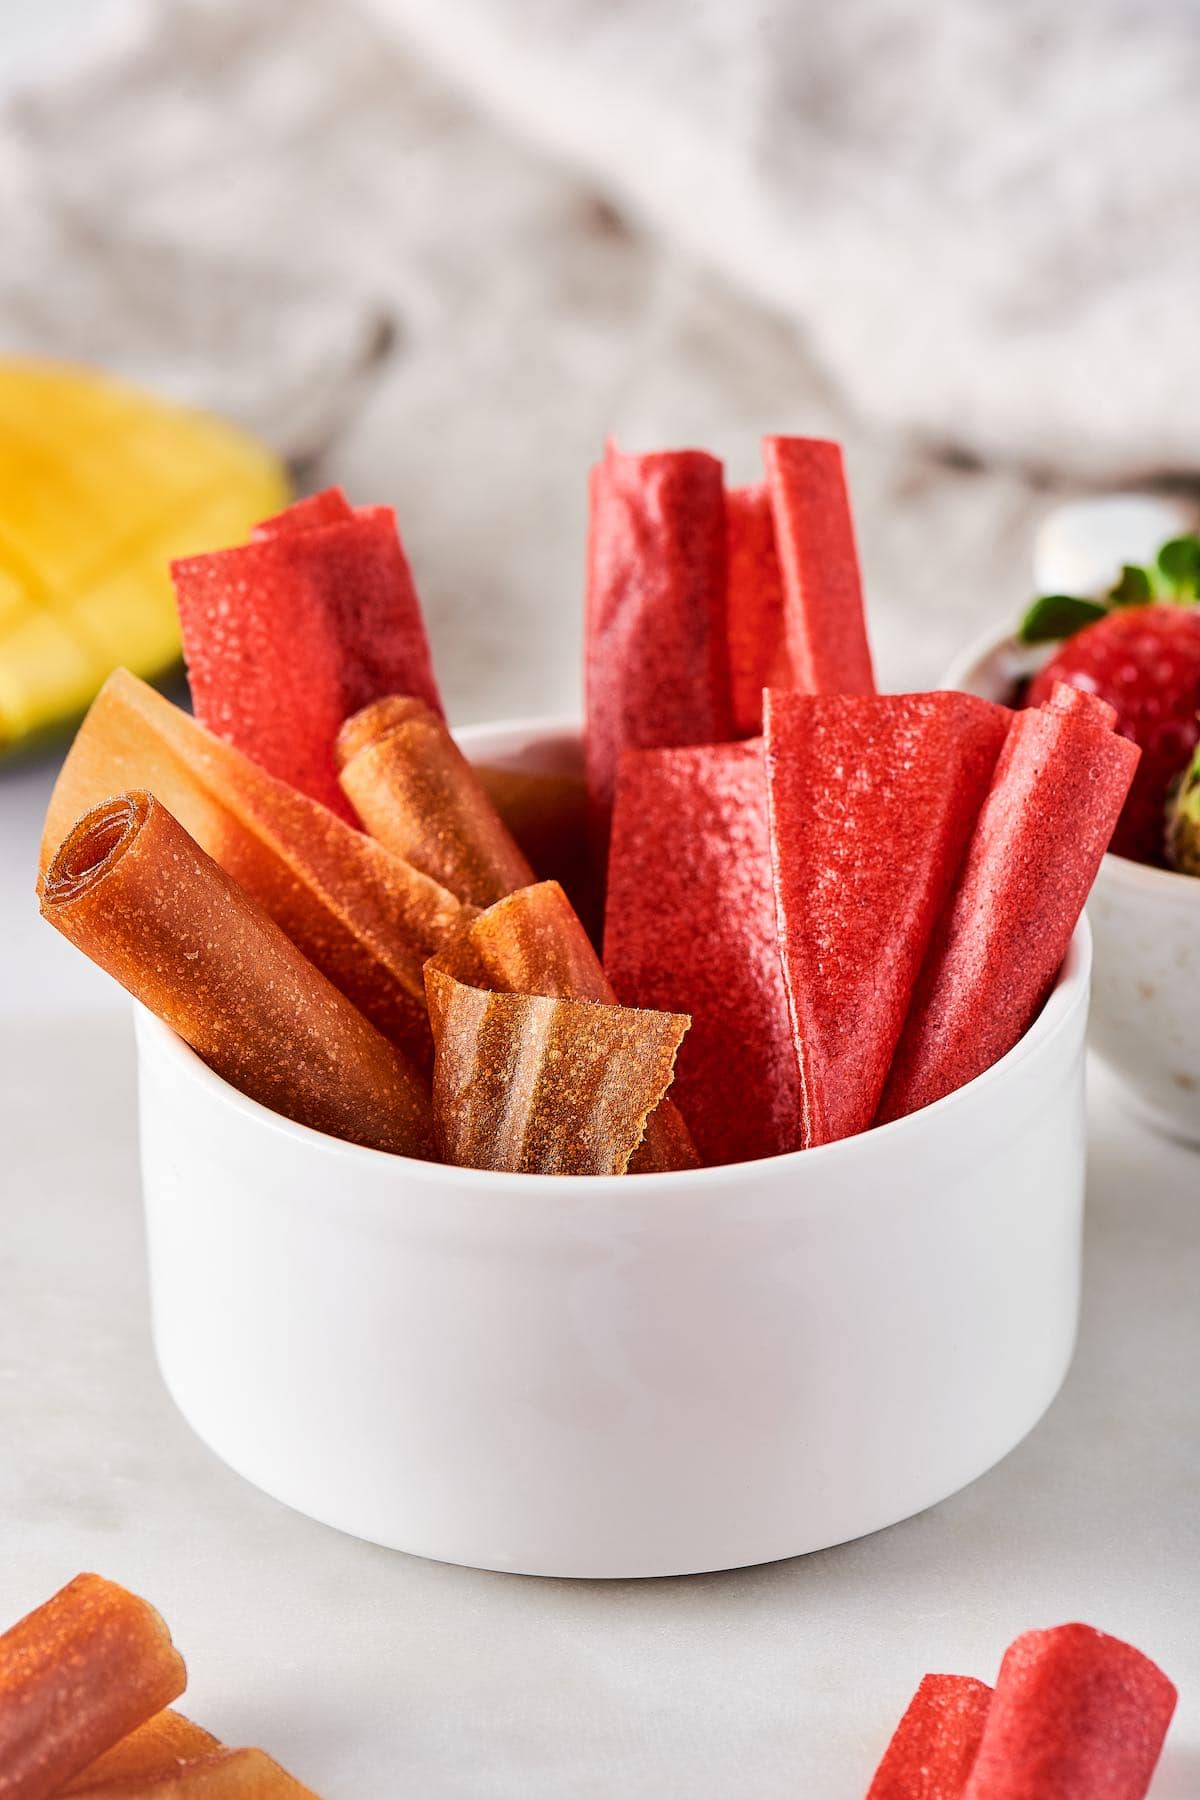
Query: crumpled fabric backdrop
(438, 252)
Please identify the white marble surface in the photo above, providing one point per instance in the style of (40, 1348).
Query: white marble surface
(375, 1675)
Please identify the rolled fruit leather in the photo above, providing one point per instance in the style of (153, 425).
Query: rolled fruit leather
(76, 1675)
(1057, 792)
(131, 889)
(546, 1083)
(364, 917)
(222, 1774)
(935, 1743)
(415, 792)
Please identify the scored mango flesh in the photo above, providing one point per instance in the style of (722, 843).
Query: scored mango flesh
(101, 484)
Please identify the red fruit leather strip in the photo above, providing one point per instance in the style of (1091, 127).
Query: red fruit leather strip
(814, 534)
(690, 927)
(1076, 1715)
(76, 1675)
(758, 651)
(367, 919)
(286, 636)
(934, 1746)
(657, 646)
(1057, 793)
(329, 507)
(873, 799)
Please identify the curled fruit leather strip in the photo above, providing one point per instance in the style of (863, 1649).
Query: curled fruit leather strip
(76, 1676)
(415, 792)
(540, 1083)
(533, 942)
(758, 648)
(328, 507)
(872, 801)
(134, 892)
(284, 637)
(365, 918)
(826, 629)
(690, 926)
(221, 1775)
(155, 1748)
(657, 657)
(1076, 1715)
(934, 1746)
(547, 815)
(1057, 792)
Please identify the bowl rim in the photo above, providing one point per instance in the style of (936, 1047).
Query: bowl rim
(1144, 876)
(1067, 995)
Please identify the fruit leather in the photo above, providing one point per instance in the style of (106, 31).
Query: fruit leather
(934, 1746)
(1057, 793)
(1076, 1715)
(284, 637)
(533, 1083)
(826, 630)
(758, 646)
(415, 792)
(366, 919)
(155, 1748)
(534, 943)
(657, 658)
(872, 801)
(133, 891)
(690, 927)
(76, 1675)
(328, 507)
(221, 1775)
(547, 815)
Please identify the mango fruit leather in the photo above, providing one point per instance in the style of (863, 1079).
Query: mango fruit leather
(284, 637)
(416, 793)
(365, 918)
(690, 927)
(76, 1675)
(872, 801)
(559, 1082)
(547, 816)
(824, 620)
(935, 1743)
(1056, 794)
(657, 652)
(1076, 1715)
(132, 890)
(758, 649)
(100, 485)
(155, 1748)
(222, 1774)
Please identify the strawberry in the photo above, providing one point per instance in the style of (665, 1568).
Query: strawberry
(1145, 661)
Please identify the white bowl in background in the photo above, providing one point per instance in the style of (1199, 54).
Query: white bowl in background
(1145, 1022)
(595, 1376)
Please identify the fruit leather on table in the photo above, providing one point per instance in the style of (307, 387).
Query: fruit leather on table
(872, 801)
(76, 1675)
(690, 927)
(1057, 793)
(286, 636)
(415, 792)
(657, 649)
(155, 1748)
(824, 621)
(133, 891)
(1076, 1715)
(365, 918)
(222, 1774)
(537, 1069)
(758, 646)
(934, 1746)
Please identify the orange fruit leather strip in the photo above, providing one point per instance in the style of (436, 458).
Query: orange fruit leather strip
(76, 1675)
(132, 890)
(155, 1748)
(365, 918)
(539, 1083)
(222, 1775)
(415, 792)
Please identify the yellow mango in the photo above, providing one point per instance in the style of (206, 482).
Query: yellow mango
(101, 484)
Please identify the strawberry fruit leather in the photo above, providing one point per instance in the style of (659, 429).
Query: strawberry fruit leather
(872, 801)
(1058, 790)
(758, 655)
(1076, 1715)
(691, 911)
(934, 1746)
(288, 635)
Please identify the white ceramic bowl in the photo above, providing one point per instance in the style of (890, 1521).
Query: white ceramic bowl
(1145, 1021)
(646, 1375)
